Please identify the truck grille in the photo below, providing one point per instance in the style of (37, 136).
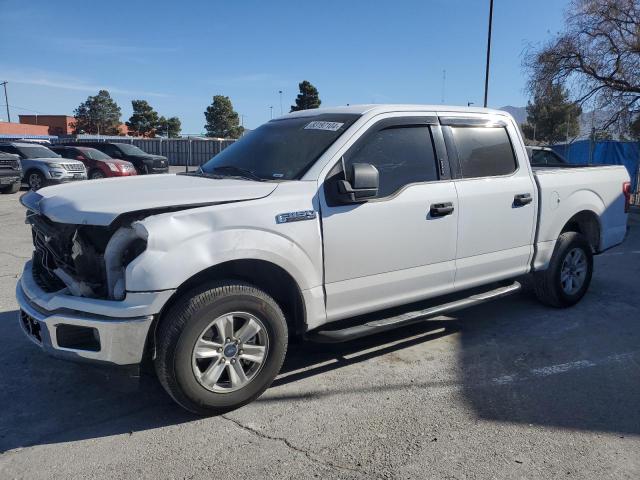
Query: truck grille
(48, 253)
(31, 326)
(74, 167)
(8, 163)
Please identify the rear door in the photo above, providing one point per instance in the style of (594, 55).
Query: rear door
(497, 199)
(390, 250)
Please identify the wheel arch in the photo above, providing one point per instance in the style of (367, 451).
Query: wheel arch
(587, 223)
(31, 170)
(265, 275)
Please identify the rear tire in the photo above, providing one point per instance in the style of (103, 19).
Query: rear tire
(13, 188)
(568, 276)
(226, 370)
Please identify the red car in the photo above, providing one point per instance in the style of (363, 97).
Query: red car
(99, 165)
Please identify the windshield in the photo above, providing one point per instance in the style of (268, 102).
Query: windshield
(36, 151)
(94, 154)
(131, 149)
(280, 149)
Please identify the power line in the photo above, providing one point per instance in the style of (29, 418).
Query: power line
(21, 108)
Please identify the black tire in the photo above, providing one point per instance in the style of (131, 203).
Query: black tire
(13, 188)
(35, 180)
(97, 175)
(548, 284)
(183, 324)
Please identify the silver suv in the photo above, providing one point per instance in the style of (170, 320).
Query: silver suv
(42, 167)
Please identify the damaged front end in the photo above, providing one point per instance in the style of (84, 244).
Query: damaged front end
(88, 260)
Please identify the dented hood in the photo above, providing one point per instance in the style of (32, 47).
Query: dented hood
(99, 202)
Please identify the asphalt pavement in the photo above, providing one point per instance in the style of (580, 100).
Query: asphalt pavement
(510, 389)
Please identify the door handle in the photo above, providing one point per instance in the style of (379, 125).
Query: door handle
(441, 209)
(522, 199)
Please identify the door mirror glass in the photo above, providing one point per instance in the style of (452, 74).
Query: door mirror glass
(362, 183)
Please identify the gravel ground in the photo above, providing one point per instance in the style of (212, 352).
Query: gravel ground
(510, 389)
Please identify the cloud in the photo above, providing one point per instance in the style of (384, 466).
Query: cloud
(104, 47)
(256, 78)
(55, 80)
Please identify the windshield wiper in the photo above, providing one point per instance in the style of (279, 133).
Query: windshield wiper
(242, 172)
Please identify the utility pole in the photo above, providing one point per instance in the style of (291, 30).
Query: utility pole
(280, 93)
(271, 111)
(486, 77)
(6, 100)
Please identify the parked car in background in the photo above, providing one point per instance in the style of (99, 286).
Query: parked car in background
(10, 173)
(545, 156)
(42, 167)
(97, 163)
(144, 162)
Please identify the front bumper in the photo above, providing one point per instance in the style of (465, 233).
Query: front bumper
(9, 179)
(87, 329)
(62, 176)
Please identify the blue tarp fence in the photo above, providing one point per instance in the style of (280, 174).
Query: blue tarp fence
(607, 152)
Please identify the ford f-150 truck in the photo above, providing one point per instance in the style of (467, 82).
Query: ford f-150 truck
(330, 224)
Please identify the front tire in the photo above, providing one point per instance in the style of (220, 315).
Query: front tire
(220, 346)
(568, 276)
(97, 175)
(36, 180)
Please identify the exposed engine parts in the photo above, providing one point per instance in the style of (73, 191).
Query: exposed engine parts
(87, 260)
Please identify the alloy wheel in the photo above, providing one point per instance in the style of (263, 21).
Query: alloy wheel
(574, 271)
(230, 352)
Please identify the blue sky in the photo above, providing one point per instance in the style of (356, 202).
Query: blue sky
(177, 55)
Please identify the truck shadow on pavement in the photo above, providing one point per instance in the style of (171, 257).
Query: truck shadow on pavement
(517, 361)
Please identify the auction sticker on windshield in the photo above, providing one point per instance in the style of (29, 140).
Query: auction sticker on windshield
(318, 125)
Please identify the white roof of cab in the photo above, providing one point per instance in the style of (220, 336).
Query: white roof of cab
(386, 108)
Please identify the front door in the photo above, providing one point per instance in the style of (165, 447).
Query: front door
(390, 250)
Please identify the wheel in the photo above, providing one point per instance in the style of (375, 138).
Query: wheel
(568, 277)
(13, 188)
(220, 346)
(96, 175)
(36, 180)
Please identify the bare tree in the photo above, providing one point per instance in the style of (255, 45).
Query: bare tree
(597, 58)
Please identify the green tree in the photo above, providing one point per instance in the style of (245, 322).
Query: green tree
(307, 98)
(222, 120)
(144, 119)
(169, 127)
(552, 117)
(99, 114)
(634, 128)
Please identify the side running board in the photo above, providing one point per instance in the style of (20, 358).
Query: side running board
(408, 318)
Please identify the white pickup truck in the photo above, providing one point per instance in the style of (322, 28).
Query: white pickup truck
(315, 224)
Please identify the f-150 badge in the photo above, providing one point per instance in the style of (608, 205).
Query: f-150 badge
(295, 216)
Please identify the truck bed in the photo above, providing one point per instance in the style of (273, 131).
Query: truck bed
(565, 190)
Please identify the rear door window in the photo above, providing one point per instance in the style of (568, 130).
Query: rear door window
(484, 151)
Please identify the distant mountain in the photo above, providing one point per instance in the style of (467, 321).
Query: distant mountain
(587, 119)
(518, 113)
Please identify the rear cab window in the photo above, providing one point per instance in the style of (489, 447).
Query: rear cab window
(482, 151)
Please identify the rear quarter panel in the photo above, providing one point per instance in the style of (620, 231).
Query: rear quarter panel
(564, 192)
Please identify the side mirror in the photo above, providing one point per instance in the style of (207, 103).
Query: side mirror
(362, 184)
(79, 157)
